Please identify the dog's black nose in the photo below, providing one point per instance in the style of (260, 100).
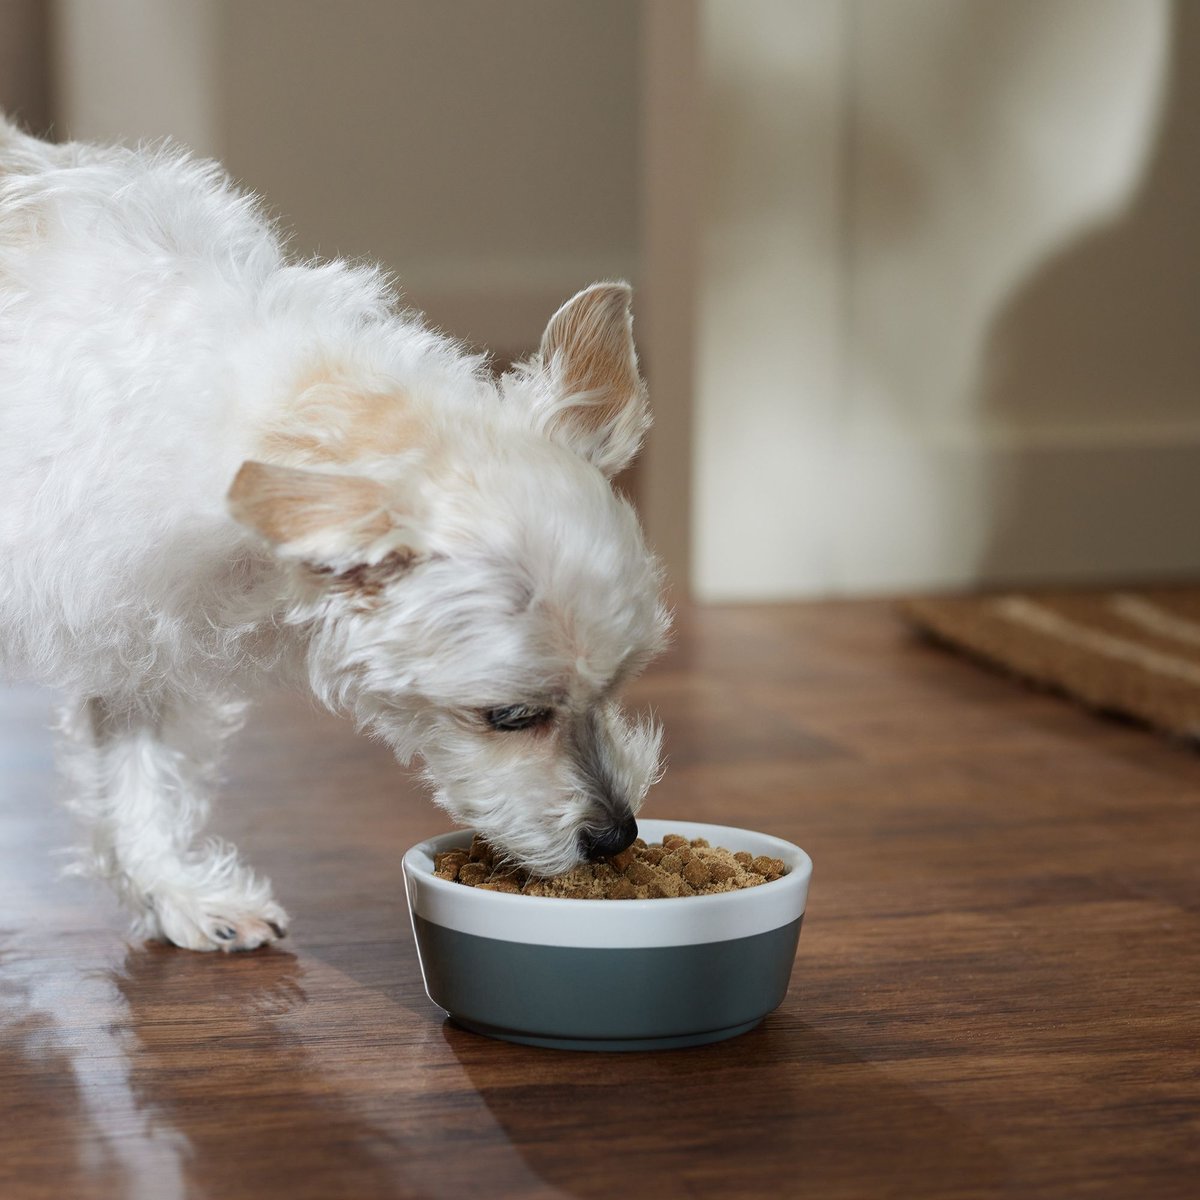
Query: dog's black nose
(604, 843)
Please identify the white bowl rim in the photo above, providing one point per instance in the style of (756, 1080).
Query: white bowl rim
(666, 921)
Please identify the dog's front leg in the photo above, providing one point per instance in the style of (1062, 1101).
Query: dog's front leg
(140, 779)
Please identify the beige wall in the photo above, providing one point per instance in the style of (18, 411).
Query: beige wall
(672, 161)
(918, 284)
(133, 69)
(487, 152)
(769, 352)
(947, 294)
(24, 62)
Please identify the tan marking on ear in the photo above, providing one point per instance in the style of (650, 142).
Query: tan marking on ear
(364, 582)
(329, 419)
(286, 505)
(592, 334)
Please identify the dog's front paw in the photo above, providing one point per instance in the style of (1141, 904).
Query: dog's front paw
(223, 922)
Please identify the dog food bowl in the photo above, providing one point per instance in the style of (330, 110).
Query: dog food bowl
(609, 974)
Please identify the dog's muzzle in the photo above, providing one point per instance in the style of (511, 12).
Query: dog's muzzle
(604, 843)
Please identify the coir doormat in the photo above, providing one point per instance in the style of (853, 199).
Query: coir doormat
(1133, 652)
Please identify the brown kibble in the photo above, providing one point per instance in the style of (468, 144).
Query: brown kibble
(640, 872)
(672, 869)
(446, 865)
(667, 886)
(764, 864)
(506, 883)
(621, 861)
(472, 874)
(671, 862)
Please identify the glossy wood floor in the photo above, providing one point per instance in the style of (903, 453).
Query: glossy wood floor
(997, 991)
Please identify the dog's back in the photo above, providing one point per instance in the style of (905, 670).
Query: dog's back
(128, 280)
(152, 334)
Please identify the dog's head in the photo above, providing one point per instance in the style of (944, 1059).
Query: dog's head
(482, 599)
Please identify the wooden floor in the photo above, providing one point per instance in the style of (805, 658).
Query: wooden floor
(997, 991)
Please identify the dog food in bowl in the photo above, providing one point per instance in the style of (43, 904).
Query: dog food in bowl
(676, 866)
(574, 972)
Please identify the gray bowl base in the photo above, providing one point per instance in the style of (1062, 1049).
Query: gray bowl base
(606, 999)
(680, 1042)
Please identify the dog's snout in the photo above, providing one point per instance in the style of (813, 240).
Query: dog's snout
(604, 843)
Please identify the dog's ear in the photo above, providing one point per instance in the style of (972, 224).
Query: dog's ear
(336, 523)
(599, 404)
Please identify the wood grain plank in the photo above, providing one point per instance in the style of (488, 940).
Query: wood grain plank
(995, 993)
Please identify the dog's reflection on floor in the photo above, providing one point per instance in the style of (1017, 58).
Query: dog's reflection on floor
(165, 1074)
(211, 1049)
(66, 1070)
(285, 1075)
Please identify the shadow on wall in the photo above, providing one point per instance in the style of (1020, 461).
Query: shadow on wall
(1022, 183)
(24, 62)
(1102, 340)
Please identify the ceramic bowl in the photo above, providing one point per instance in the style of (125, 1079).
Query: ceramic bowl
(609, 974)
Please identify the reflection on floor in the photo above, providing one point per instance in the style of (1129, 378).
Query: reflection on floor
(993, 993)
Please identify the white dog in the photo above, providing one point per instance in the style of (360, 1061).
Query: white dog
(219, 467)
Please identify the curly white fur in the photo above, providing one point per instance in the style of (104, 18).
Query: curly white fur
(222, 468)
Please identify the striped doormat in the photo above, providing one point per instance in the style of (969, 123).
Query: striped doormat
(1136, 653)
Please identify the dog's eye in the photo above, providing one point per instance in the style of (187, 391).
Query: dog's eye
(516, 716)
